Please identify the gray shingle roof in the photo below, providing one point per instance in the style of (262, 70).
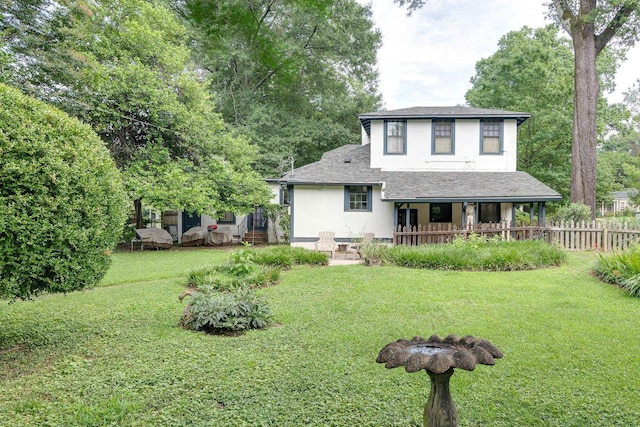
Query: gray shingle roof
(332, 169)
(457, 112)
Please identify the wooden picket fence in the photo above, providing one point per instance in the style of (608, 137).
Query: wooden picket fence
(572, 236)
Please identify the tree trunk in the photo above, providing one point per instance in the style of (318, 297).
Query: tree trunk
(586, 91)
(137, 213)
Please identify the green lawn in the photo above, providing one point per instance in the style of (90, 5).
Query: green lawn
(115, 356)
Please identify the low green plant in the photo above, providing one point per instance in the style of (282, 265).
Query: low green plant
(284, 256)
(478, 254)
(374, 253)
(241, 261)
(215, 312)
(621, 269)
(225, 277)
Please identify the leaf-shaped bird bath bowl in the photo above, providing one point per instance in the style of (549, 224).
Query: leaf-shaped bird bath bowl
(439, 357)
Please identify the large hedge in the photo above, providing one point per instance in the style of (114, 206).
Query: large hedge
(62, 204)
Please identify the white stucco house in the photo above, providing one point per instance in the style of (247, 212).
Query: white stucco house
(419, 165)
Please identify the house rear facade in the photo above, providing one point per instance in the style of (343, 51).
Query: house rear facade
(415, 166)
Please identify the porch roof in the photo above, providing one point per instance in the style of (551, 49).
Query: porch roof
(349, 165)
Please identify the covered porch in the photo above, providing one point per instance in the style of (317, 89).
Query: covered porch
(441, 222)
(430, 205)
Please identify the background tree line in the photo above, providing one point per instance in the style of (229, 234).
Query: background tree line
(199, 100)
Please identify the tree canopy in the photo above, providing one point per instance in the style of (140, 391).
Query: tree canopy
(293, 75)
(124, 67)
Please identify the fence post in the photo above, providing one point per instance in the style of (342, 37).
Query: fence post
(604, 236)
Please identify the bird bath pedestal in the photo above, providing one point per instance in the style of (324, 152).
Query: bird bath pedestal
(439, 357)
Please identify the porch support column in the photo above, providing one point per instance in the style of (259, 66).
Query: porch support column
(395, 215)
(407, 218)
(513, 215)
(464, 215)
(531, 213)
(542, 214)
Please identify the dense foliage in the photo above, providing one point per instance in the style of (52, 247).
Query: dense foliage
(124, 67)
(62, 204)
(477, 253)
(532, 71)
(573, 212)
(622, 269)
(292, 75)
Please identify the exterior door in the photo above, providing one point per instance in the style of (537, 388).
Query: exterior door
(413, 217)
(256, 221)
(190, 220)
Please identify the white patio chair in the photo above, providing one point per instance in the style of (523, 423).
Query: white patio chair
(326, 243)
(355, 247)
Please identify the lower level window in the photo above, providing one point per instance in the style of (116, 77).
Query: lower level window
(357, 198)
(440, 212)
(489, 212)
(227, 218)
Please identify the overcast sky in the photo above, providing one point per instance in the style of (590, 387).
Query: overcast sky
(428, 58)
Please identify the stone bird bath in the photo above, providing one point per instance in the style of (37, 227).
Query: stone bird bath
(439, 357)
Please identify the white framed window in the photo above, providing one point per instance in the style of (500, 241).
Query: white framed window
(357, 198)
(443, 137)
(395, 137)
(491, 137)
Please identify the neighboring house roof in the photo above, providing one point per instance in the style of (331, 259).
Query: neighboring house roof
(457, 112)
(419, 186)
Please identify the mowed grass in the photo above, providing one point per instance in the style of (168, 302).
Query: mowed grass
(115, 355)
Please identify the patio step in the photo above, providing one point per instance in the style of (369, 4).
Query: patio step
(254, 237)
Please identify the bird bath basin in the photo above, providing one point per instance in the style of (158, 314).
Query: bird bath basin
(439, 357)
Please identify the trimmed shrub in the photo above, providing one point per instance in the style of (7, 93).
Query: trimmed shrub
(62, 204)
(217, 312)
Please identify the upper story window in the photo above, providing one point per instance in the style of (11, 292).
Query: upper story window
(395, 137)
(491, 137)
(443, 137)
(357, 198)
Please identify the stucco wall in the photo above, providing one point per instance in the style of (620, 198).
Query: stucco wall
(317, 208)
(467, 155)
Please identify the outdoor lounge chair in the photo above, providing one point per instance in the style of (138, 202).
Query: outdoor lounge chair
(356, 247)
(326, 243)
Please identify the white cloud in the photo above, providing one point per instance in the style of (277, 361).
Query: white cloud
(429, 57)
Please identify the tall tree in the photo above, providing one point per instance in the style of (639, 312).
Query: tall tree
(592, 26)
(123, 66)
(292, 74)
(532, 71)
